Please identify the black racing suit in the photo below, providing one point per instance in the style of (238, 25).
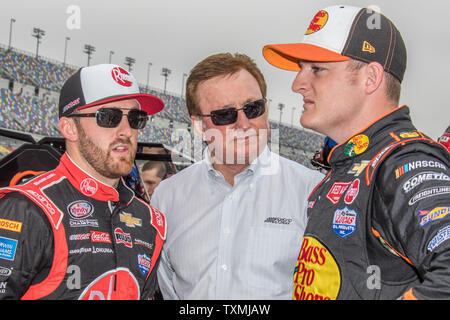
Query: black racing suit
(66, 235)
(379, 222)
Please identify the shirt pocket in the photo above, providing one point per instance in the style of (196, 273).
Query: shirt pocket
(270, 259)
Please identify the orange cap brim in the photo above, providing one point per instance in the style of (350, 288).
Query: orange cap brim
(286, 56)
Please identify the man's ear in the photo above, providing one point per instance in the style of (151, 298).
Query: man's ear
(374, 77)
(197, 124)
(68, 129)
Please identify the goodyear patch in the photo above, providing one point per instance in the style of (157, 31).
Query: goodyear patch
(7, 248)
(11, 225)
(433, 215)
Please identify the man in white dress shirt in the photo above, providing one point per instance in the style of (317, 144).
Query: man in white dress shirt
(236, 218)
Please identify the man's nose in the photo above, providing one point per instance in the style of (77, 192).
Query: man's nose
(300, 83)
(124, 128)
(242, 121)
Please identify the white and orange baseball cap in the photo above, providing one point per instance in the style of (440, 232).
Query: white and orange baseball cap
(340, 33)
(100, 84)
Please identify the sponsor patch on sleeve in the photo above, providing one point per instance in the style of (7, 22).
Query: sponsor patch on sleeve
(437, 213)
(7, 248)
(439, 238)
(10, 225)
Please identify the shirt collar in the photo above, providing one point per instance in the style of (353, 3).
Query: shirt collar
(262, 160)
(376, 133)
(91, 187)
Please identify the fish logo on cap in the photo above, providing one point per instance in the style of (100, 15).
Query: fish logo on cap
(318, 22)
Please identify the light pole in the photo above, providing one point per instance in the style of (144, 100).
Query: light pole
(148, 75)
(129, 61)
(292, 116)
(11, 21)
(65, 49)
(38, 33)
(165, 73)
(280, 106)
(182, 85)
(88, 49)
(110, 55)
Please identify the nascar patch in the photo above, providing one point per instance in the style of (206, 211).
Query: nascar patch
(417, 164)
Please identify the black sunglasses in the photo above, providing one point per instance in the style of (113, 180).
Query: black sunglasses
(227, 116)
(111, 117)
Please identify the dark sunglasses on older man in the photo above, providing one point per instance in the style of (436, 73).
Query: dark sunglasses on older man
(227, 116)
(111, 117)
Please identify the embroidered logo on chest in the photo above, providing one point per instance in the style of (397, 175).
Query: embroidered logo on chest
(344, 222)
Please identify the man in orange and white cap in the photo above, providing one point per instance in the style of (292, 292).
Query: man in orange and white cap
(379, 224)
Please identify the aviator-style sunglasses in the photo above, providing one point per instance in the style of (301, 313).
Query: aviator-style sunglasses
(111, 117)
(227, 116)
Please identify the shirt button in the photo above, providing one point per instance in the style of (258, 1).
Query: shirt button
(224, 267)
(227, 230)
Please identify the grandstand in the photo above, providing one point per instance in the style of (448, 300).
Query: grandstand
(29, 93)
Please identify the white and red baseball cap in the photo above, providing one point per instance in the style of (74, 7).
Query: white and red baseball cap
(100, 84)
(340, 33)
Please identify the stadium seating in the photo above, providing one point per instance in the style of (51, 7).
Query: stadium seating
(39, 115)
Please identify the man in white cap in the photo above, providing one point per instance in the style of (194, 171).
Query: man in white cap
(379, 223)
(78, 232)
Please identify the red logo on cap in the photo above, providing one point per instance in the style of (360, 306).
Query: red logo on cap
(121, 76)
(317, 23)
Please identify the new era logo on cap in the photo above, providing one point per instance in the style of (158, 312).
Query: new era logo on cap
(340, 33)
(100, 84)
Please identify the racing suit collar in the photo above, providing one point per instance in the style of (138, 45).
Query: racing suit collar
(91, 187)
(355, 146)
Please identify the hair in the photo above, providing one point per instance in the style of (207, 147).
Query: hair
(393, 86)
(221, 64)
(161, 168)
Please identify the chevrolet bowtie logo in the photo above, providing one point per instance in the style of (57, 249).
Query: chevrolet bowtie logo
(358, 168)
(129, 220)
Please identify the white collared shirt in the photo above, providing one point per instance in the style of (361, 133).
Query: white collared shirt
(233, 242)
